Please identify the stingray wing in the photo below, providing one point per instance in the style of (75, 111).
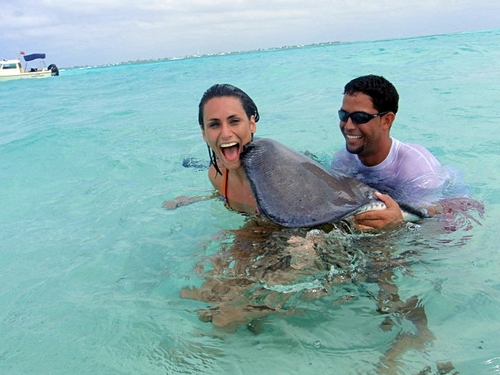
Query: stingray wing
(293, 190)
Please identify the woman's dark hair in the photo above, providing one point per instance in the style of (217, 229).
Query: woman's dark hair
(225, 89)
(384, 95)
(221, 90)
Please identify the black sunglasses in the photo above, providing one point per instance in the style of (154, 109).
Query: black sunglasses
(358, 118)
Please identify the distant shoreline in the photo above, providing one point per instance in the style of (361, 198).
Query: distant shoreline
(270, 49)
(163, 59)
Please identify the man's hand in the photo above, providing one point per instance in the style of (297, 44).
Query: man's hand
(390, 217)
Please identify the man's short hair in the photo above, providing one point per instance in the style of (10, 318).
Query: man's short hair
(384, 95)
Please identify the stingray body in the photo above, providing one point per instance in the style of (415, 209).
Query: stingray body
(295, 191)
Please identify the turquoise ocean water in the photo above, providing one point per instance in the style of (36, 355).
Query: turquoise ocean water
(92, 266)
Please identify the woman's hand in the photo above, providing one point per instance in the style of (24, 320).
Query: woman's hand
(184, 200)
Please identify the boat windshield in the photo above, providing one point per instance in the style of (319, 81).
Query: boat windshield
(9, 66)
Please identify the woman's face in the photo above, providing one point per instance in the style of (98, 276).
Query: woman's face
(226, 129)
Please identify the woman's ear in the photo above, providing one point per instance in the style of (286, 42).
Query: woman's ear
(253, 124)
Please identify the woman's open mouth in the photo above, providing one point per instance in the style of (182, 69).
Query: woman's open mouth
(230, 151)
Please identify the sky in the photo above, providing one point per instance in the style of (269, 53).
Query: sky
(99, 32)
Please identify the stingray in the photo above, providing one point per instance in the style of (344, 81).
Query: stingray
(295, 191)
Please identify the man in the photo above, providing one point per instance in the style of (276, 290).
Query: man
(404, 172)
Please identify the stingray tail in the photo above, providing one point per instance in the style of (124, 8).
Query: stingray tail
(411, 213)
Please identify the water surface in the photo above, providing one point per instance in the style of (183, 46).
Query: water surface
(92, 266)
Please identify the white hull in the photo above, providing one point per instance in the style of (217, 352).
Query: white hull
(41, 74)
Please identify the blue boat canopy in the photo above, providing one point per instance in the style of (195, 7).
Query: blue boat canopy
(34, 56)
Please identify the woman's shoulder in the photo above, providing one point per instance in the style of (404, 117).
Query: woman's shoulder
(216, 178)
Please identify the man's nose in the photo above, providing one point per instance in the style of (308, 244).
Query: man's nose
(349, 124)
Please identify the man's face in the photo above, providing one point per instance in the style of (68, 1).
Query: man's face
(361, 139)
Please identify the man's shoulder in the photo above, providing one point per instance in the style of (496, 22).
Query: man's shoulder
(417, 165)
(413, 151)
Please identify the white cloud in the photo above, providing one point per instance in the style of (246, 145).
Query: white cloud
(82, 32)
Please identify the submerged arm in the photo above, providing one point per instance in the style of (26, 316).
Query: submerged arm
(184, 200)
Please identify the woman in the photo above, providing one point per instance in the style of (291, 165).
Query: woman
(228, 119)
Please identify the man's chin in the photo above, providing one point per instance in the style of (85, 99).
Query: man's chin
(354, 150)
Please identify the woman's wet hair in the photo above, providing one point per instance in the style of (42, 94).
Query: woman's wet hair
(225, 89)
(222, 90)
(384, 95)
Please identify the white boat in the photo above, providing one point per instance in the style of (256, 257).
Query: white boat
(13, 69)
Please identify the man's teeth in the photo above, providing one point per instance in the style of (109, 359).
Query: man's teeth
(353, 136)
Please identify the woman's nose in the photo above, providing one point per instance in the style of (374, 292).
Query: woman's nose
(225, 129)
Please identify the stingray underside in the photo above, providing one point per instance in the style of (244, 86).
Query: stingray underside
(294, 191)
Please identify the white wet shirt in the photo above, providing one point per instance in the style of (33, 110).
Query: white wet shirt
(409, 174)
